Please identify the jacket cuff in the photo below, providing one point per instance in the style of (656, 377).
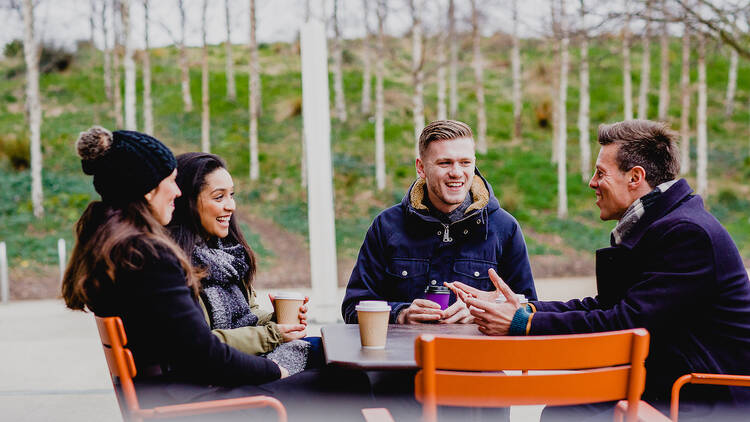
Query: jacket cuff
(396, 309)
(519, 322)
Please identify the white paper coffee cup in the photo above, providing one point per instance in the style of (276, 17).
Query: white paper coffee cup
(286, 305)
(373, 323)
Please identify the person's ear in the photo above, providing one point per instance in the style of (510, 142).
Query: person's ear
(420, 167)
(637, 176)
(150, 195)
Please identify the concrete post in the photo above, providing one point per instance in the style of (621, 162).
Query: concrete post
(61, 256)
(4, 287)
(320, 211)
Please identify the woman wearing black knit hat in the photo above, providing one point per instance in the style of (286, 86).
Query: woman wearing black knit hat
(125, 264)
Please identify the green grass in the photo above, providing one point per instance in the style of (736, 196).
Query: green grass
(522, 175)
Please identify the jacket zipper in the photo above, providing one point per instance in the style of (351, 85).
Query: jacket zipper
(446, 234)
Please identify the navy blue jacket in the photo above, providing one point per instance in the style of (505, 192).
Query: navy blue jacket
(679, 275)
(405, 248)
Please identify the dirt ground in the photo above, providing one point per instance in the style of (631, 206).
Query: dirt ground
(290, 265)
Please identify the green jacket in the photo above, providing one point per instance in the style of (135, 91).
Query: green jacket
(255, 339)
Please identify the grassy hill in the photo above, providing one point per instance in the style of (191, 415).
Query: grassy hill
(522, 174)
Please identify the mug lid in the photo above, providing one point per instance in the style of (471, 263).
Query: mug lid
(437, 289)
(373, 306)
(289, 295)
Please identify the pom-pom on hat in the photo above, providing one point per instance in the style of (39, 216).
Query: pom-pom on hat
(125, 164)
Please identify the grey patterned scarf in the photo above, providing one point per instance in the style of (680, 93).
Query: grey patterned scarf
(635, 211)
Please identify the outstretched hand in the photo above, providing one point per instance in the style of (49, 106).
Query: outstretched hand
(492, 318)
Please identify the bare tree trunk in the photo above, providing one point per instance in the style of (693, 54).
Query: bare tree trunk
(685, 103)
(130, 118)
(116, 25)
(453, 108)
(585, 101)
(254, 96)
(205, 107)
(442, 85)
(338, 82)
(416, 71)
(555, 88)
(231, 89)
(478, 80)
(702, 137)
(33, 107)
(148, 107)
(645, 66)
(516, 65)
(367, 59)
(627, 89)
(187, 99)
(664, 66)
(562, 138)
(92, 26)
(731, 84)
(107, 54)
(379, 106)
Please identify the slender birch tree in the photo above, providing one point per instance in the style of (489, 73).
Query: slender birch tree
(148, 106)
(585, 101)
(442, 85)
(702, 135)
(516, 65)
(130, 118)
(367, 61)
(92, 26)
(731, 83)
(187, 99)
(555, 86)
(107, 53)
(205, 93)
(562, 188)
(476, 36)
(417, 73)
(254, 100)
(685, 101)
(379, 106)
(33, 106)
(116, 30)
(645, 65)
(338, 78)
(229, 64)
(664, 65)
(453, 40)
(627, 88)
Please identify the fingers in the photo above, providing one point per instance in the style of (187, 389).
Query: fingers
(307, 299)
(503, 288)
(288, 328)
(424, 303)
(468, 289)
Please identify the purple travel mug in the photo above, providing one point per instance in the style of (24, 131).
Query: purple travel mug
(438, 294)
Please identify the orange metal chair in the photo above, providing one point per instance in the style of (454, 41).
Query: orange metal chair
(599, 367)
(122, 369)
(713, 379)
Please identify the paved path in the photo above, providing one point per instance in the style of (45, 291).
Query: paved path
(52, 366)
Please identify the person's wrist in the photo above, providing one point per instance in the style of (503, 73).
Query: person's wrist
(401, 317)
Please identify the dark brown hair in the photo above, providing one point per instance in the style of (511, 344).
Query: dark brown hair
(186, 227)
(109, 239)
(651, 145)
(443, 130)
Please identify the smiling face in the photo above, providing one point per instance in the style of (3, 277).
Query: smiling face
(613, 194)
(448, 169)
(216, 203)
(161, 198)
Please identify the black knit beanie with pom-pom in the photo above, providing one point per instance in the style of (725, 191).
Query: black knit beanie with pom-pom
(125, 164)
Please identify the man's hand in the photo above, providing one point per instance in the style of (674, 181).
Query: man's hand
(291, 332)
(492, 318)
(421, 310)
(458, 313)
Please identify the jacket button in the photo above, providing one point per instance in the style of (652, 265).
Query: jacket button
(479, 221)
(440, 232)
(466, 231)
(476, 273)
(404, 273)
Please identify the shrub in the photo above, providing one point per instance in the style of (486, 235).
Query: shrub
(13, 48)
(16, 149)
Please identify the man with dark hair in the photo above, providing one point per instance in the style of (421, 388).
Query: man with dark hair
(671, 268)
(448, 227)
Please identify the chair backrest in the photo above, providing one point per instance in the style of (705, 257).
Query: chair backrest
(120, 362)
(465, 370)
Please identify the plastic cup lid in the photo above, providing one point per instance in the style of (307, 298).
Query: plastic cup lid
(521, 298)
(373, 306)
(290, 295)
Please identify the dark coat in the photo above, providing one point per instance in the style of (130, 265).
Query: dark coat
(405, 248)
(166, 326)
(679, 275)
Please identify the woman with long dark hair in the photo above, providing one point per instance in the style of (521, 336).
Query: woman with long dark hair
(206, 228)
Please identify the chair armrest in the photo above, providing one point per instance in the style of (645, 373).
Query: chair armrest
(216, 406)
(646, 412)
(378, 414)
(710, 379)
